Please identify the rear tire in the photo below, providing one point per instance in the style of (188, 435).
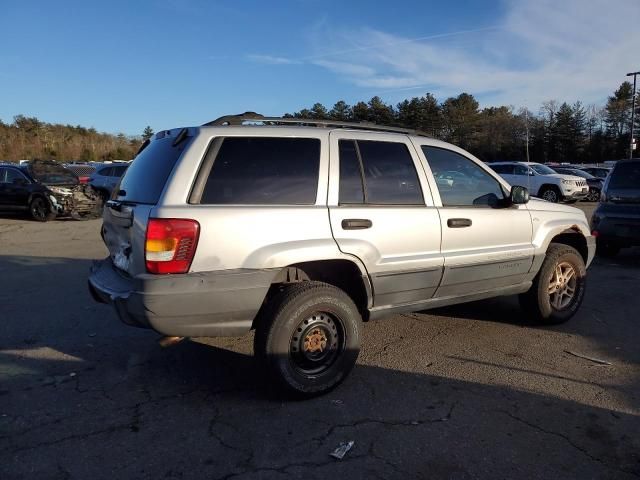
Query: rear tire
(550, 194)
(558, 288)
(308, 338)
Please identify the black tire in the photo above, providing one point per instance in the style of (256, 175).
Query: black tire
(607, 249)
(538, 302)
(594, 195)
(40, 210)
(293, 327)
(550, 194)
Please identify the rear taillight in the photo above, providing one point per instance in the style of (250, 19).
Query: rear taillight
(170, 244)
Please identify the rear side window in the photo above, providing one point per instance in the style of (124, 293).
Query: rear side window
(264, 171)
(118, 171)
(625, 175)
(105, 172)
(379, 173)
(502, 169)
(147, 174)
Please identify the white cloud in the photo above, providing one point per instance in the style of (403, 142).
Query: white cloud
(271, 60)
(568, 49)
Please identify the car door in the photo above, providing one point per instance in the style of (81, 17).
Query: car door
(485, 244)
(4, 189)
(382, 212)
(17, 189)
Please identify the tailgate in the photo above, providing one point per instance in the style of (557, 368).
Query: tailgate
(126, 215)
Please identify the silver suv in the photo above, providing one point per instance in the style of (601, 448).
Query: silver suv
(303, 229)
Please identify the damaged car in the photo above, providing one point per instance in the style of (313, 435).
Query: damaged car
(47, 190)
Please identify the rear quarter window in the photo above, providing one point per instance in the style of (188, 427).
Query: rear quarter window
(264, 171)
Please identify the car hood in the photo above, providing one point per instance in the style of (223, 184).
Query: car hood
(542, 205)
(565, 177)
(52, 173)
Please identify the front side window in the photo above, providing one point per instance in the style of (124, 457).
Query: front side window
(521, 170)
(460, 181)
(264, 171)
(11, 175)
(378, 173)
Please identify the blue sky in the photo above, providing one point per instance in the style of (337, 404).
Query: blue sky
(121, 65)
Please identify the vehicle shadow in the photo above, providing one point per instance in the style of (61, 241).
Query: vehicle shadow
(82, 396)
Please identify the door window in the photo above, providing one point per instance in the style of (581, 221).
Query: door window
(460, 181)
(379, 173)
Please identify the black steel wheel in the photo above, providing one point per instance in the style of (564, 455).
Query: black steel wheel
(308, 338)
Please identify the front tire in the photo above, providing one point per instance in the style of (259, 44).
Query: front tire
(594, 195)
(40, 210)
(558, 288)
(550, 194)
(308, 338)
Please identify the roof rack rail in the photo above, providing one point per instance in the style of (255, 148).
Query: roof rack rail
(252, 117)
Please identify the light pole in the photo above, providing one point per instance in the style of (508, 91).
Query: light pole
(633, 110)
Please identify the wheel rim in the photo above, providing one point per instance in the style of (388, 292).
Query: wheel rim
(550, 196)
(38, 209)
(316, 343)
(594, 195)
(562, 286)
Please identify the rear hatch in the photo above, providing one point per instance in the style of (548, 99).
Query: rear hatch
(126, 215)
(623, 186)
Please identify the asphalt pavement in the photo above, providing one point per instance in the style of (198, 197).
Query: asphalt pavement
(472, 391)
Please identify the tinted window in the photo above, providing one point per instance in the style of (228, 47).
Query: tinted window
(13, 174)
(460, 181)
(351, 188)
(502, 169)
(105, 172)
(118, 171)
(625, 175)
(264, 171)
(390, 176)
(147, 174)
(521, 170)
(3, 175)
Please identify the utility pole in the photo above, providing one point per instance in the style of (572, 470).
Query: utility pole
(526, 116)
(633, 110)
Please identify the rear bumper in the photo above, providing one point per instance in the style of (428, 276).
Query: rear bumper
(623, 232)
(209, 304)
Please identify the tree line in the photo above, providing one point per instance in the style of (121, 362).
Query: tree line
(27, 138)
(558, 132)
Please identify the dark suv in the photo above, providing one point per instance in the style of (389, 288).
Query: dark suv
(616, 221)
(46, 189)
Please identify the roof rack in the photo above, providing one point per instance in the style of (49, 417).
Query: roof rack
(252, 117)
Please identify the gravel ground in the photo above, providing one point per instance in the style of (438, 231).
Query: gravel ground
(472, 391)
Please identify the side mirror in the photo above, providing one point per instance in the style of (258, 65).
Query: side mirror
(519, 195)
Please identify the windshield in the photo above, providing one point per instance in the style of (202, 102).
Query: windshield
(51, 173)
(542, 169)
(575, 172)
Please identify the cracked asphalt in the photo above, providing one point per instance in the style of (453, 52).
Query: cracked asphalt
(472, 391)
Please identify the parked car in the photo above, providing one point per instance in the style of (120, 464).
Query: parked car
(594, 183)
(82, 170)
(46, 189)
(616, 221)
(106, 177)
(599, 172)
(301, 233)
(542, 181)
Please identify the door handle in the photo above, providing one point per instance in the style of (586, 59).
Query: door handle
(356, 223)
(458, 222)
